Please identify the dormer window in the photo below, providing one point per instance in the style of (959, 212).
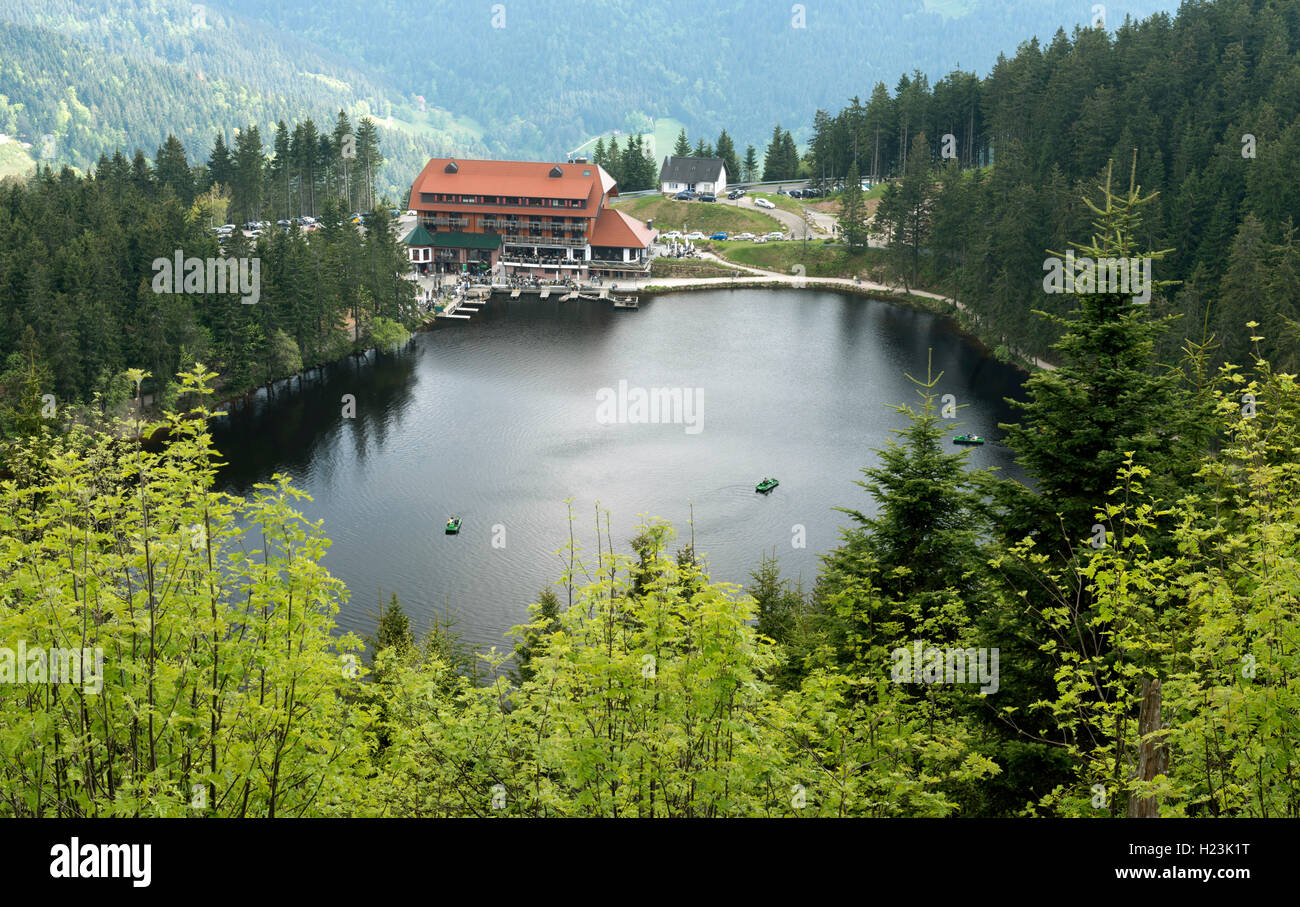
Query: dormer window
(451, 167)
(556, 171)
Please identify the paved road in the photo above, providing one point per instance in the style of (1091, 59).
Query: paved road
(823, 224)
(794, 225)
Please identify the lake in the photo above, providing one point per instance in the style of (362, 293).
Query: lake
(500, 419)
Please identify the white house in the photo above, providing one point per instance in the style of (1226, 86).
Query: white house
(699, 174)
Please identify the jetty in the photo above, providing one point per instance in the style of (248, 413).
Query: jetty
(471, 300)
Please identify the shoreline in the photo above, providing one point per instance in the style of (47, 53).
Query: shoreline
(926, 302)
(922, 301)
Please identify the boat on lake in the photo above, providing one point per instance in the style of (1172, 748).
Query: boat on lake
(453, 525)
(766, 485)
(974, 440)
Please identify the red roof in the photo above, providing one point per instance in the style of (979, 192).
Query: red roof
(528, 179)
(616, 229)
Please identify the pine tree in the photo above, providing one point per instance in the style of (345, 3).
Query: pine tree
(615, 167)
(249, 177)
(683, 146)
(905, 211)
(370, 158)
(280, 173)
(853, 211)
(789, 157)
(1103, 401)
(726, 150)
(544, 619)
(344, 142)
(221, 169)
(172, 170)
(393, 630)
(774, 163)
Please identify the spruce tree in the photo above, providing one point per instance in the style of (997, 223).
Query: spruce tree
(172, 170)
(220, 167)
(1103, 399)
(773, 163)
(726, 150)
(853, 211)
(683, 146)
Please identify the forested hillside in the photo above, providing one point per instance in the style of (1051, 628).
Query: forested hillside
(105, 74)
(579, 69)
(1205, 103)
(78, 300)
(110, 75)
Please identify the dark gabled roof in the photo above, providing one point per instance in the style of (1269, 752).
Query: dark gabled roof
(690, 169)
(418, 237)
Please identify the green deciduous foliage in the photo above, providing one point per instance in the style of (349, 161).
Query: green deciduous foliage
(216, 688)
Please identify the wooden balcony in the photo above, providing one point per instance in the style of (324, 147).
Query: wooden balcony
(521, 239)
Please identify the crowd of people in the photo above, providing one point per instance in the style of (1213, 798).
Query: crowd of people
(681, 250)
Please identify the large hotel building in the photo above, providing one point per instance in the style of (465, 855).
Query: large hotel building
(523, 219)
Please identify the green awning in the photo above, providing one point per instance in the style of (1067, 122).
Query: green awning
(466, 240)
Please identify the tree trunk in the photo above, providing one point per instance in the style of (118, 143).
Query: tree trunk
(1153, 755)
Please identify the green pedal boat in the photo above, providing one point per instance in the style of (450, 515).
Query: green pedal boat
(766, 485)
(975, 440)
(453, 525)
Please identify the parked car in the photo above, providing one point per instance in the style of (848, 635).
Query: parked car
(718, 235)
(696, 235)
(685, 195)
(774, 236)
(763, 203)
(672, 234)
(736, 193)
(708, 197)
(745, 237)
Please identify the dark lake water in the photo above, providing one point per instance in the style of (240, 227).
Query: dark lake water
(496, 420)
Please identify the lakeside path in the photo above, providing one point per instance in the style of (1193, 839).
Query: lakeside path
(751, 276)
